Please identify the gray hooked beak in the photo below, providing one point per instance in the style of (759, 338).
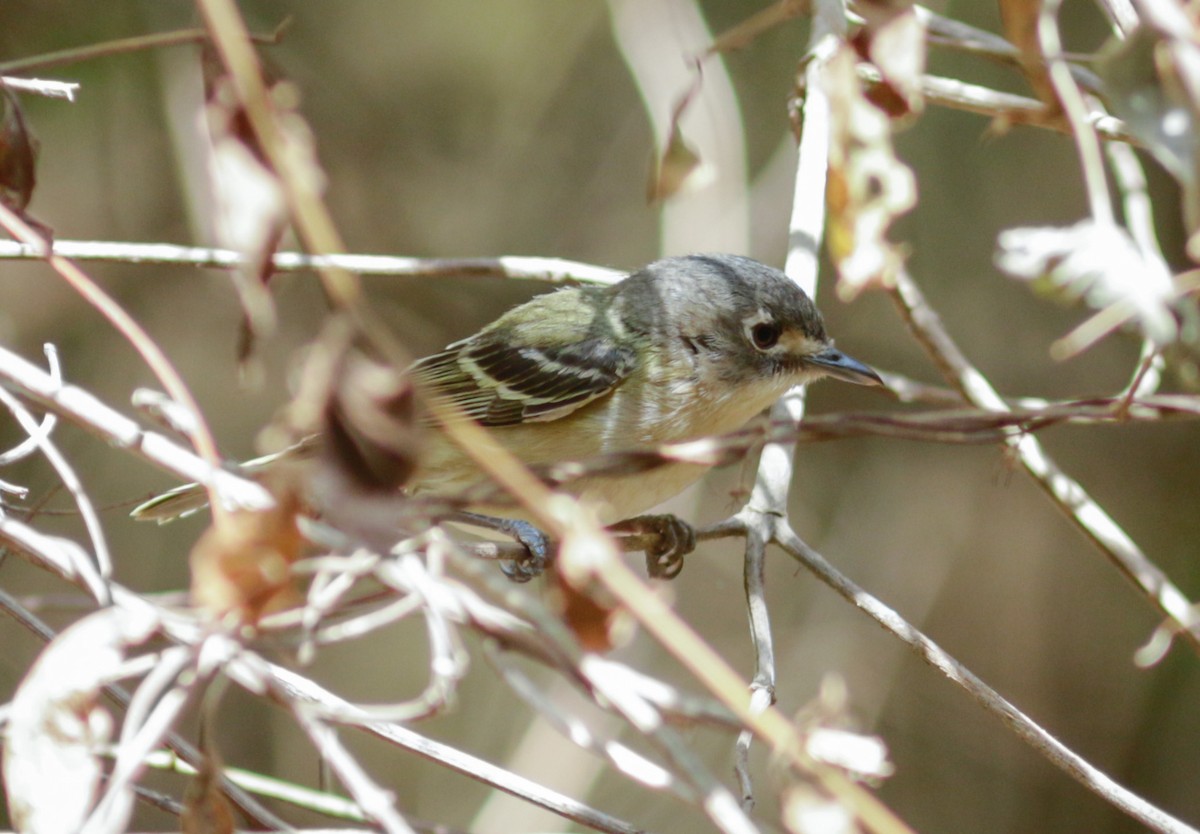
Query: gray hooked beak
(840, 366)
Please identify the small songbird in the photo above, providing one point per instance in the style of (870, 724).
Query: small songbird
(686, 347)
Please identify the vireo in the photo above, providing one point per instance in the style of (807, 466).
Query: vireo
(686, 347)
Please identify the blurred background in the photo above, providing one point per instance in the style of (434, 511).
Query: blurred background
(458, 128)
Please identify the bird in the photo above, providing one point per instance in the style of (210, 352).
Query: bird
(683, 348)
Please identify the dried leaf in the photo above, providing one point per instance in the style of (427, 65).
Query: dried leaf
(868, 186)
(1101, 265)
(679, 167)
(57, 731)
(251, 205)
(18, 154)
(241, 565)
(677, 163)
(893, 39)
(205, 808)
(371, 423)
(600, 626)
(360, 417)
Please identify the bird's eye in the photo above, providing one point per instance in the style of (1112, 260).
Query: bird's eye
(765, 334)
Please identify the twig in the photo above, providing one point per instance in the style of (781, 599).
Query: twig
(42, 87)
(146, 347)
(1054, 751)
(83, 409)
(553, 270)
(377, 803)
(621, 757)
(1067, 494)
(30, 444)
(1008, 107)
(298, 795)
(1138, 214)
(259, 815)
(1076, 111)
(77, 54)
(1122, 15)
(963, 37)
(293, 687)
(744, 33)
(96, 578)
(768, 500)
(105, 49)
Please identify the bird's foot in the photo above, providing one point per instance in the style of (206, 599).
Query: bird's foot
(673, 538)
(537, 544)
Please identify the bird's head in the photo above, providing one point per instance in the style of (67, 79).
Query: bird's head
(751, 321)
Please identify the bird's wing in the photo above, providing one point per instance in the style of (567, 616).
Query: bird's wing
(501, 381)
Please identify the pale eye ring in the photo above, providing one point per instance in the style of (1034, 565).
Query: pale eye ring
(765, 334)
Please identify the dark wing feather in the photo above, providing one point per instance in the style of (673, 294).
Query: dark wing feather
(500, 383)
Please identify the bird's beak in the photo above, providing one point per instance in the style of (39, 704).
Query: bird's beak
(836, 364)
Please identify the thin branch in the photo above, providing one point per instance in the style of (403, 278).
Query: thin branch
(95, 578)
(1066, 493)
(1077, 113)
(321, 802)
(293, 687)
(768, 500)
(1051, 748)
(1121, 14)
(83, 409)
(74, 55)
(30, 444)
(253, 810)
(553, 270)
(124, 324)
(1004, 107)
(42, 87)
(377, 803)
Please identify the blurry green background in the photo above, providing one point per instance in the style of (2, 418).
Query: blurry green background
(457, 128)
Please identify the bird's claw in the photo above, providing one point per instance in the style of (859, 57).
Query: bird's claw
(674, 538)
(536, 543)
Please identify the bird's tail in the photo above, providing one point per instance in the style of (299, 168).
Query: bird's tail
(179, 502)
(190, 499)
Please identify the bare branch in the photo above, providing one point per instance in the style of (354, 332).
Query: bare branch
(83, 409)
(1066, 493)
(552, 270)
(1029, 731)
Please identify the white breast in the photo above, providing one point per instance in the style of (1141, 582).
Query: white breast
(605, 427)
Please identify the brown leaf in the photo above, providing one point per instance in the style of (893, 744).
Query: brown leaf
(18, 153)
(893, 39)
(205, 808)
(599, 626)
(679, 166)
(371, 423)
(868, 186)
(251, 202)
(241, 565)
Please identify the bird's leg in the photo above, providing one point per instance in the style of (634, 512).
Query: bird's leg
(672, 539)
(535, 541)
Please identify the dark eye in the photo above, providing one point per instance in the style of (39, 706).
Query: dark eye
(765, 334)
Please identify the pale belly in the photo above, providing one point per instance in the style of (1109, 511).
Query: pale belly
(582, 436)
